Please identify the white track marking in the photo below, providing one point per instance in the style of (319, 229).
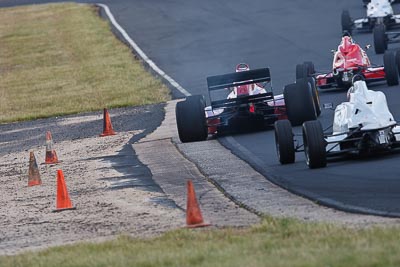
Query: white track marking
(140, 51)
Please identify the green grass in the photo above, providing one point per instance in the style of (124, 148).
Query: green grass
(275, 242)
(63, 58)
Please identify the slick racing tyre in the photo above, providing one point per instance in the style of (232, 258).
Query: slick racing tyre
(301, 71)
(391, 71)
(299, 102)
(191, 119)
(314, 144)
(305, 70)
(310, 67)
(314, 93)
(380, 40)
(284, 141)
(347, 23)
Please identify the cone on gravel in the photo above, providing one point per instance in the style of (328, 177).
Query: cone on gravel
(63, 202)
(34, 175)
(107, 126)
(51, 155)
(194, 218)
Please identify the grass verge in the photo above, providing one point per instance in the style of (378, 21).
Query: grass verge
(275, 242)
(62, 58)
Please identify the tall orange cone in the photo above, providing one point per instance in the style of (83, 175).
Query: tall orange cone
(63, 200)
(193, 214)
(34, 176)
(51, 155)
(107, 126)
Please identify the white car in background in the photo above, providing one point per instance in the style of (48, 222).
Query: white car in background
(380, 17)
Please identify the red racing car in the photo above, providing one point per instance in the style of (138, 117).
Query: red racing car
(241, 100)
(351, 63)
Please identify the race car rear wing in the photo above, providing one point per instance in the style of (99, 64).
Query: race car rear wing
(226, 81)
(226, 103)
(238, 78)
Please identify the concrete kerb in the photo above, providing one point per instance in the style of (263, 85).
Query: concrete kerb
(171, 170)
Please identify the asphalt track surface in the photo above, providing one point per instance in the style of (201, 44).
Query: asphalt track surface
(191, 40)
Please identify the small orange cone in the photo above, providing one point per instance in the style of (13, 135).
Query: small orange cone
(193, 214)
(107, 126)
(63, 200)
(51, 155)
(34, 176)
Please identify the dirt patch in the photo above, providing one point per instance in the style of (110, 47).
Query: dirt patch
(110, 197)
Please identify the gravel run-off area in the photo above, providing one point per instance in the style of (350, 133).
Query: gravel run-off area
(112, 191)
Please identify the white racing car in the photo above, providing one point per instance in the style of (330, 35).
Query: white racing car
(380, 17)
(362, 125)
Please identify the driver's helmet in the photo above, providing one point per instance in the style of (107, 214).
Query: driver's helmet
(346, 38)
(347, 44)
(242, 67)
(349, 92)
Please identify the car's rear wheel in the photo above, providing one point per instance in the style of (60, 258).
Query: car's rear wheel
(305, 70)
(284, 141)
(391, 71)
(301, 71)
(299, 102)
(314, 144)
(191, 119)
(315, 95)
(310, 67)
(380, 39)
(347, 23)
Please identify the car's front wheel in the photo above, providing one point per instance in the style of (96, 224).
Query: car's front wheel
(380, 39)
(284, 141)
(314, 144)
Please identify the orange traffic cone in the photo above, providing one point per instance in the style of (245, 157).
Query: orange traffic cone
(193, 214)
(51, 155)
(107, 126)
(34, 176)
(63, 200)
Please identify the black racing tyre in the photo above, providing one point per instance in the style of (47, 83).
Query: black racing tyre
(314, 144)
(301, 71)
(191, 119)
(310, 67)
(284, 141)
(314, 93)
(391, 71)
(299, 102)
(380, 40)
(397, 56)
(347, 23)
